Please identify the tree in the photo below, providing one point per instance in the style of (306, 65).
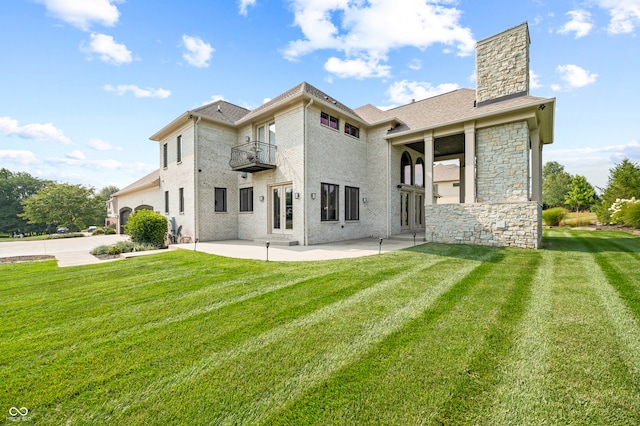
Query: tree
(623, 183)
(106, 192)
(581, 195)
(15, 188)
(62, 204)
(555, 184)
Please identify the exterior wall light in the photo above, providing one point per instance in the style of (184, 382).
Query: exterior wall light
(364, 200)
(261, 198)
(296, 195)
(313, 195)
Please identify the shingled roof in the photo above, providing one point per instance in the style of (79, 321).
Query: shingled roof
(299, 90)
(222, 111)
(149, 181)
(452, 107)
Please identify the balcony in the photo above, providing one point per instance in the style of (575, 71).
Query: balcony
(253, 157)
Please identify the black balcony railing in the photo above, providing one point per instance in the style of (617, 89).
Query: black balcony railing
(253, 157)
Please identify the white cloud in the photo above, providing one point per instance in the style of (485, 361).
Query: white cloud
(415, 64)
(404, 92)
(214, 98)
(575, 76)
(630, 149)
(100, 145)
(76, 155)
(244, 5)
(365, 31)
(18, 156)
(357, 68)
(108, 50)
(594, 162)
(534, 80)
(35, 131)
(580, 23)
(81, 13)
(137, 91)
(198, 53)
(625, 15)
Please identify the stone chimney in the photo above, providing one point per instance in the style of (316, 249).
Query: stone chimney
(502, 63)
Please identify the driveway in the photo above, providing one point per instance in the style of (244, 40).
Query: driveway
(68, 251)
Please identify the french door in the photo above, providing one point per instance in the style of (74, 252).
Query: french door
(281, 209)
(411, 210)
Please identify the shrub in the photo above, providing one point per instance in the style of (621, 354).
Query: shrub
(125, 246)
(109, 231)
(100, 250)
(98, 231)
(147, 227)
(618, 210)
(113, 250)
(632, 214)
(554, 216)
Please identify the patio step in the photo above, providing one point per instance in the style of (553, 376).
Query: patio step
(276, 241)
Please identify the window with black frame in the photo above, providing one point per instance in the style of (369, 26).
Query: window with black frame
(329, 202)
(351, 204)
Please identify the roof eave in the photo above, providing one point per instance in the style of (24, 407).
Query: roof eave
(533, 104)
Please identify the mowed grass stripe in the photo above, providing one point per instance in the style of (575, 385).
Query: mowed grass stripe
(243, 386)
(592, 383)
(426, 371)
(175, 344)
(520, 397)
(623, 320)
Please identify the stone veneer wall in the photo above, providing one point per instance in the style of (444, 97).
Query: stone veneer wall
(487, 224)
(503, 163)
(502, 63)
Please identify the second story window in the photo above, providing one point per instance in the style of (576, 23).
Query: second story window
(179, 149)
(351, 130)
(165, 155)
(329, 120)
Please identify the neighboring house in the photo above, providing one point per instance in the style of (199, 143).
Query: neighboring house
(306, 169)
(446, 181)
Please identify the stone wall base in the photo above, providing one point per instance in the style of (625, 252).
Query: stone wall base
(487, 224)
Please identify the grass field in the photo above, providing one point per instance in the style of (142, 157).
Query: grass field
(435, 334)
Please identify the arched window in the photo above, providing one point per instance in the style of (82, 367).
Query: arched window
(419, 174)
(406, 169)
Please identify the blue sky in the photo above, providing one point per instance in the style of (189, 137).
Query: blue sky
(86, 82)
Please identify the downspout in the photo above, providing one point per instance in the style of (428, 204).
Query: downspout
(388, 190)
(306, 167)
(196, 182)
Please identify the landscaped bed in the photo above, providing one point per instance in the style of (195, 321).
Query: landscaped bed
(436, 334)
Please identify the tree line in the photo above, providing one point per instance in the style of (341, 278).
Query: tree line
(561, 189)
(31, 205)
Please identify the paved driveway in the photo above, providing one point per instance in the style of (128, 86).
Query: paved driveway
(68, 251)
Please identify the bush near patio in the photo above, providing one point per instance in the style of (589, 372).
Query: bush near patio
(147, 227)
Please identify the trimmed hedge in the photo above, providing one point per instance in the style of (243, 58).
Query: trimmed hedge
(147, 227)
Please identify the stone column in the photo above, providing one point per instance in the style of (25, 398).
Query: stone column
(428, 168)
(536, 165)
(470, 163)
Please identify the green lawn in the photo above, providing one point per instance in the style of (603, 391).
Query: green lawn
(432, 335)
